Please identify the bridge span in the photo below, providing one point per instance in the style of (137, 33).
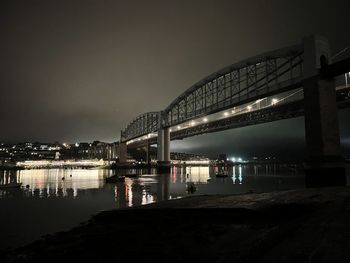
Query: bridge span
(285, 83)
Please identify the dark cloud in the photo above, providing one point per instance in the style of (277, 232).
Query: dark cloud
(81, 70)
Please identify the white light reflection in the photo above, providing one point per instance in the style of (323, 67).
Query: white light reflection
(197, 174)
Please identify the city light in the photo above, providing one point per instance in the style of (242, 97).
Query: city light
(249, 107)
(179, 127)
(226, 113)
(233, 159)
(205, 119)
(193, 123)
(274, 101)
(240, 159)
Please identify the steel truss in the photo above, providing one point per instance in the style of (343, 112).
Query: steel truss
(237, 84)
(249, 80)
(141, 125)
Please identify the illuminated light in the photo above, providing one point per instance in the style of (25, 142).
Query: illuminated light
(233, 159)
(76, 144)
(257, 101)
(274, 101)
(233, 111)
(205, 119)
(192, 123)
(179, 127)
(170, 129)
(226, 113)
(240, 159)
(249, 107)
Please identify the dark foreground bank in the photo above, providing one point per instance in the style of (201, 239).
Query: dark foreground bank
(307, 225)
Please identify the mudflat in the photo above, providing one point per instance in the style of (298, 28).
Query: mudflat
(302, 225)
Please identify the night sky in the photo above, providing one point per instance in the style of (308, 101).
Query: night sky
(81, 70)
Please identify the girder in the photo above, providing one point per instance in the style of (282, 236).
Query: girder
(283, 110)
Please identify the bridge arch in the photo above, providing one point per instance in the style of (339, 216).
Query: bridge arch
(239, 83)
(142, 125)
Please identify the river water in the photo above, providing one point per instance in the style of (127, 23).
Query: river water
(52, 200)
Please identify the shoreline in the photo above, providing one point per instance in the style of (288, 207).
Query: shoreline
(284, 226)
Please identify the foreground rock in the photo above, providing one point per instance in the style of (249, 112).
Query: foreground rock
(308, 225)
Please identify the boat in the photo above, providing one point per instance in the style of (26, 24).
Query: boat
(115, 178)
(10, 185)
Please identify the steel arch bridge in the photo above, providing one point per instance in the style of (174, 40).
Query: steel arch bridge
(303, 75)
(249, 80)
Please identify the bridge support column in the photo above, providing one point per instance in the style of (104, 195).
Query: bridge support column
(163, 151)
(324, 164)
(148, 152)
(123, 153)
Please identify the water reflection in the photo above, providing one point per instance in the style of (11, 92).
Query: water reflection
(142, 189)
(145, 186)
(72, 196)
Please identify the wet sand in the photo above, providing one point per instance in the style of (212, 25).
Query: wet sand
(306, 225)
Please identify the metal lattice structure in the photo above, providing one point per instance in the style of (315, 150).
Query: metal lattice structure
(142, 125)
(248, 80)
(251, 79)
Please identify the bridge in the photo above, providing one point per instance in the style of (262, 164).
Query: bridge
(300, 80)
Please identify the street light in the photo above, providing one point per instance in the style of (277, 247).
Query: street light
(274, 101)
(205, 119)
(226, 113)
(249, 108)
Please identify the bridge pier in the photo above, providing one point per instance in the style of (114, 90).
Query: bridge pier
(148, 152)
(163, 150)
(123, 152)
(324, 164)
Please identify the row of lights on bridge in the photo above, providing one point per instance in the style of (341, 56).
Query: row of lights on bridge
(274, 101)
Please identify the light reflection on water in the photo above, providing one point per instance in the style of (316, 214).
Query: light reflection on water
(58, 199)
(148, 187)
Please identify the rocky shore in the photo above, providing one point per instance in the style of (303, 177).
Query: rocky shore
(306, 225)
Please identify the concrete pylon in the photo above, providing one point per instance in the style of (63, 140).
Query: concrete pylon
(324, 164)
(148, 152)
(123, 152)
(163, 147)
